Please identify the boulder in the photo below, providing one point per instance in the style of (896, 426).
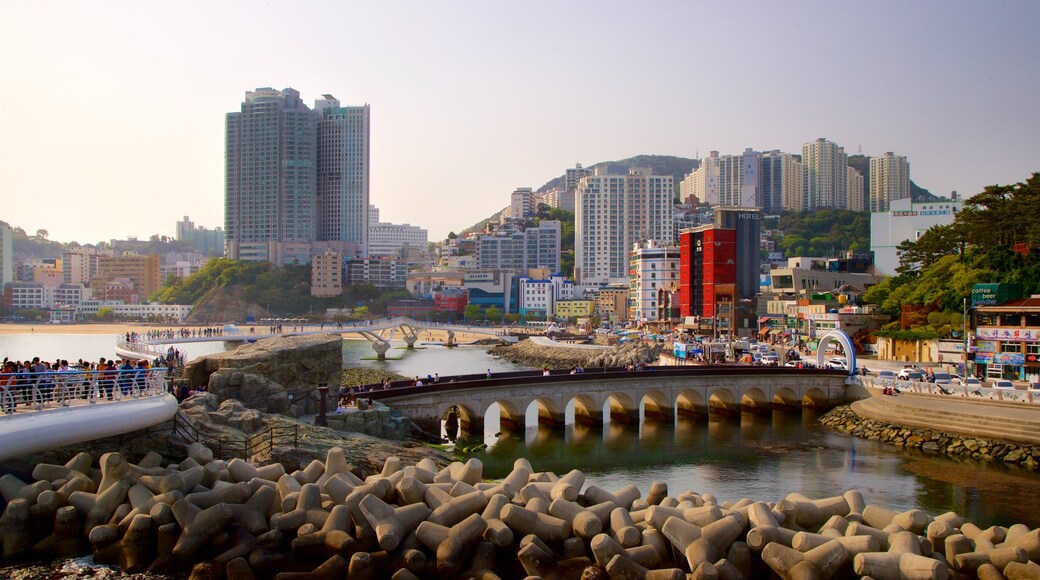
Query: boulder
(274, 375)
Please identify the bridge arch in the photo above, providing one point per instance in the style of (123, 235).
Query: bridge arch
(814, 398)
(657, 407)
(754, 400)
(841, 338)
(621, 408)
(722, 400)
(586, 411)
(510, 416)
(469, 420)
(690, 403)
(548, 412)
(785, 398)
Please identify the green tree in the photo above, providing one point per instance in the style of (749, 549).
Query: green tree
(106, 313)
(473, 312)
(494, 313)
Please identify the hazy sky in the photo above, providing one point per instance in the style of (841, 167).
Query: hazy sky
(112, 113)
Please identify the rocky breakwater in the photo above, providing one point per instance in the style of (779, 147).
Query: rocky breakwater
(274, 375)
(544, 353)
(846, 420)
(330, 520)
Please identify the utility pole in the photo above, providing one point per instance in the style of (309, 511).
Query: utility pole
(964, 332)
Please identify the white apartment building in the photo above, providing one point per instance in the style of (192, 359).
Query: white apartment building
(730, 180)
(79, 266)
(889, 180)
(826, 178)
(613, 212)
(521, 203)
(538, 298)
(536, 247)
(327, 274)
(387, 240)
(655, 278)
(906, 220)
(856, 196)
(573, 176)
(780, 182)
(6, 254)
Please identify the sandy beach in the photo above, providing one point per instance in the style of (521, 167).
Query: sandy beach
(124, 327)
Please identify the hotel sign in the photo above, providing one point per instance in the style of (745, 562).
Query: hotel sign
(1008, 334)
(904, 214)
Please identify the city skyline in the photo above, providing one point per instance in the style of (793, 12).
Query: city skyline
(122, 104)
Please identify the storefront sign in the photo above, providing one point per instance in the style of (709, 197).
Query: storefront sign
(904, 214)
(1008, 334)
(986, 346)
(679, 350)
(1000, 358)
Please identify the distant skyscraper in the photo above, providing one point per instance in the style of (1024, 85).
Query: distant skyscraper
(521, 203)
(826, 175)
(889, 180)
(574, 174)
(6, 255)
(856, 196)
(613, 212)
(725, 180)
(779, 182)
(269, 209)
(343, 173)
(295, 177)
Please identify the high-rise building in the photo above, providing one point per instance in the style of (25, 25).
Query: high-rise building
(6, 254)
(613, 212)
(521, 203)
(535, 247)
(142, 271)
(719, 266)
(294, 177)
(725, 179)
(343, 173)
(573, 176)
(202, 239)
(779, 182)
(854, 185)
(327, 274)
(826, 175)
(269, 209)
(889, 180)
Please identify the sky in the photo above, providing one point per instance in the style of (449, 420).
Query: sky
(112, 113)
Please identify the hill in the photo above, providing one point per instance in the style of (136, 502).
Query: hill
(677, 167)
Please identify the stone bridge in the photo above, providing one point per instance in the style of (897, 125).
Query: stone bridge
(659, 394)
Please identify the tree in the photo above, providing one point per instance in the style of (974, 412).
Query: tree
(494, 313)
(42, 234)
(452, 236)
(473, 312)
(106, 313)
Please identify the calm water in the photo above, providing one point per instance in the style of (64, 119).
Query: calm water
(759, 457)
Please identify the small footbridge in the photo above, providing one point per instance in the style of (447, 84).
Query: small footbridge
(658, 393)
(378, 332)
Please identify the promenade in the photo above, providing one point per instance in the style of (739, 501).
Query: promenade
(969, 417)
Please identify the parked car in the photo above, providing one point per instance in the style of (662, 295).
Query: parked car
(886, 375)
(942, 378)
(1004, 385)
(910, 374)
(971, 382)
(770, 358)
(837, 364)
(1034, 387)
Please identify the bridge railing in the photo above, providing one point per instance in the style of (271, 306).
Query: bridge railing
(140, 347)
(954, 390)
(401, 388)
(50, 390)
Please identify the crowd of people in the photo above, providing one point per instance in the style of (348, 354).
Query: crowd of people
(172, 333)
(61, 379)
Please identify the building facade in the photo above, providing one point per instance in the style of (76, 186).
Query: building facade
(521, 203)
(538, 297)
(889, 180)
(388, 240)
(653, 279)
(6, 254)
(143, 271)
(342, 160)
(203, 239)
(906, 220)
(612, 303)
(857, 200)
(379, 272)
(327, 274)
(613, 212)
(825, 183)
(535, 247)
(779, 182)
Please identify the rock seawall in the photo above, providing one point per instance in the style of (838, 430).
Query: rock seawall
(530, 353)
(846, 420)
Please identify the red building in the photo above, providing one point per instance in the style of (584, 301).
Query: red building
(450, 301)
(707, 269)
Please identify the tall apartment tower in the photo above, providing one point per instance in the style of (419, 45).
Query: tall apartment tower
(342, 173)
(724, 179)
(854, 186)
(269, 182)
(612, 213)
(826, 175)
(779, 182)
(889, 180)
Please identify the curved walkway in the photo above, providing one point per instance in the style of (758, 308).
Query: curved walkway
(976, 418)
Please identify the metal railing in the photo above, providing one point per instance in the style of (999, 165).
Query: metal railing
(954, 390)
(50, 390)
(142, 347)
(244, 449)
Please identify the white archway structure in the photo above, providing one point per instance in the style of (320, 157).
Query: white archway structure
(840, 337)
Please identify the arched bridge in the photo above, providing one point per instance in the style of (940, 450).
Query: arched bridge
(378, 332)
(663, 394)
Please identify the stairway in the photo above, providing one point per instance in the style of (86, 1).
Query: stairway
(969, 418)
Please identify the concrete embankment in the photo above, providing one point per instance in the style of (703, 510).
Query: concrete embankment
(930, 440)
(333, 520)
(543, 352)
